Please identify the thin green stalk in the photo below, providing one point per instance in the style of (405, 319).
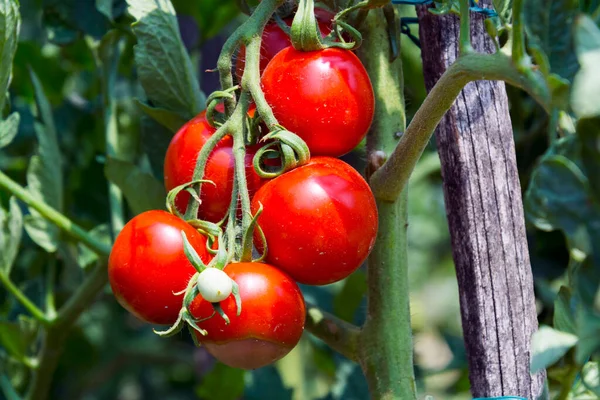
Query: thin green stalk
(251, 82)
(52, 348)
(115, 196)
(464, 43)
(83, 297)
(239, 154)
(50, 277)
(192, 208)
(518, 33)
(340, 335)
(54, 216)
(244, 34)
(385, 344)
(388, 182)
(24, 300)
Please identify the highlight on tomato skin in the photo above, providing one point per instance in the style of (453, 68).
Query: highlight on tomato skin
(319, 220)
(147, 265)
(269, 326)
(180, 162)
(323, 96)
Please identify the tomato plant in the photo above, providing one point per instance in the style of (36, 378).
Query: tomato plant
(269, 326)
(147, 265)
(324, 96)
(75, 169)
(319, 220)
(180, 162)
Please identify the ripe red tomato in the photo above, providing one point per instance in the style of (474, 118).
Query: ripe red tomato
(324, 96)
(180, 162)
(319, 220)
(147, 265)
(269, 326)
(274, 40)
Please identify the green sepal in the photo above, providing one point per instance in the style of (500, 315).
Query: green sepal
(238, 299)
(191, 254)
(175, 328)
(172, 195)
(219, 309)
(305, 32)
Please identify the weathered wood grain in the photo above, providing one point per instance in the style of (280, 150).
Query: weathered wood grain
(485, 215)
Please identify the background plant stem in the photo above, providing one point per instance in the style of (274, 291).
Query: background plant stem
(385, 344)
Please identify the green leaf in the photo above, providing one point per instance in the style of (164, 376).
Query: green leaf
(66, 20)
(44, 175)
(558, 197)
(588, 131)
(10, 21)
(11, 230)
(563, 311)
(45, 182)
(503, 9)
(9, 129)
(585, 94)
(170, 120)
(226, 381)
(105, 7)
(590, 376)
(85, 256)
(164, 66)
(549, 27)
(588, 330)
(12, 339)
(142, 191)
(548, 346)
(347, 301)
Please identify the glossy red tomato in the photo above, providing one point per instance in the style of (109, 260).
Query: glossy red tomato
(324, 96)
(320, 221)
(274, 40)
(269, 326)
(180, 162)
(147, 265)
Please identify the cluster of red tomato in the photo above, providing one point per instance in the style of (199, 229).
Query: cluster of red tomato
(319, 220)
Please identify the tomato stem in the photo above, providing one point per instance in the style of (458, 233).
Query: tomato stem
(247, 32)
(239, 152)
(464, 41)
(23, 299)
(340, 335)
(386, 351)
(52, 215)
(192, 208)
(388, 182)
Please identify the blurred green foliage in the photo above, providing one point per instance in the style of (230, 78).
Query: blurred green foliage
(111, 355)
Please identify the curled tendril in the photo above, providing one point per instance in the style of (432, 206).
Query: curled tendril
(188, 187)
(292, 151)
(213, 100)
(247, 238)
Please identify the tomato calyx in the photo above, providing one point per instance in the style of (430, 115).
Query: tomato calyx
(305, 33)
(209, 282)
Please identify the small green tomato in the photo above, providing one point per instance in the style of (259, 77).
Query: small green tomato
(214, 285)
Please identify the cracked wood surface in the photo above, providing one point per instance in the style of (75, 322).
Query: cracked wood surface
(485, 215)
